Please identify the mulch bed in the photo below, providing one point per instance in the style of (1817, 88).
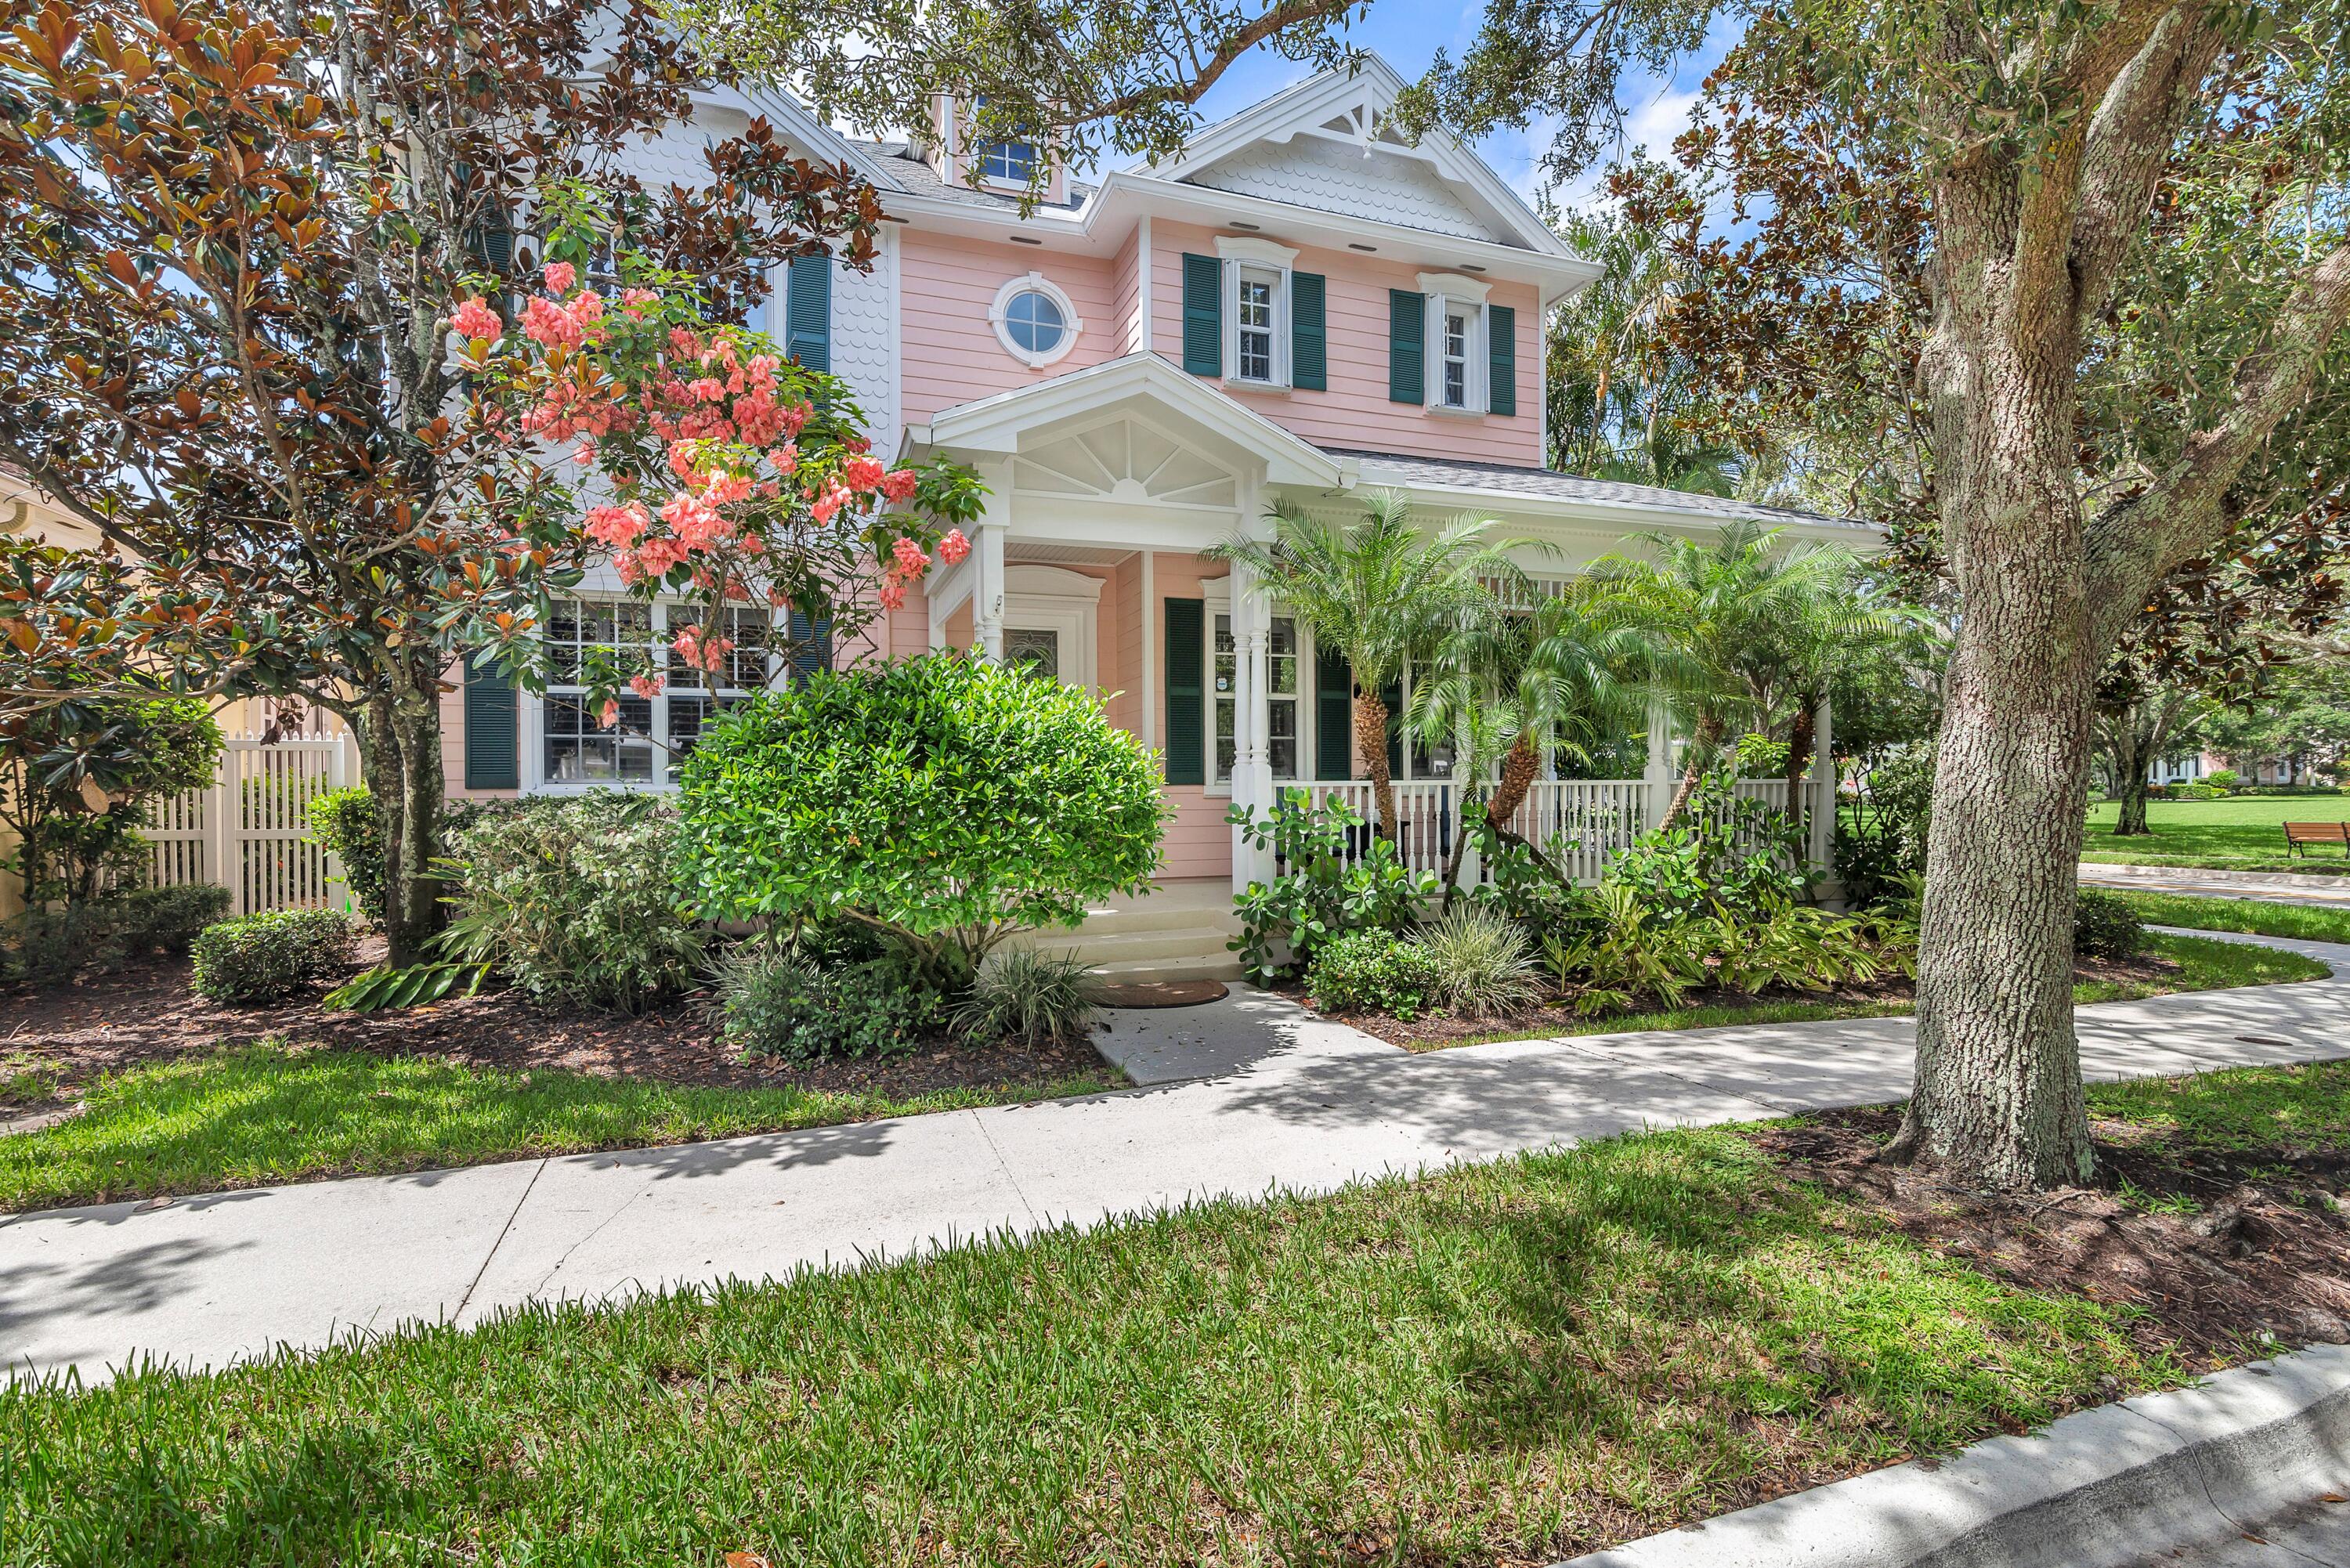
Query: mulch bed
(2266, 1251)
(1556, 1015)
(145, 1013)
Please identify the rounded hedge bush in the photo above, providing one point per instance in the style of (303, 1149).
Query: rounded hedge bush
(945, 799)
(2105, 927)
(268, 957)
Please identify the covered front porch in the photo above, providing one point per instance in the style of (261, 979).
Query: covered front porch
(1109, 489)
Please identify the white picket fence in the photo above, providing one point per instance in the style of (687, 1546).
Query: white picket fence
(1590, 822)
(247, 833)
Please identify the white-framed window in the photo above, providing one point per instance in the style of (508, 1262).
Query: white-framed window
(1255, 310)
(1457, 338)
(1034, 320)
(1011, 161)
(1285, 734)
(1258, 294)
(567, 747)
(1458, 344)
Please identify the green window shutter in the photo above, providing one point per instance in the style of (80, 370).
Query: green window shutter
(1203, 315)
(1187, 717)
(811, 646)
(1502, 360)
(492, 745)
(807, 312)
(1308, 339)
(1407, 347)
(1334, 717)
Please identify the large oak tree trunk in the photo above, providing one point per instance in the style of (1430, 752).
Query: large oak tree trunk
(1998, 1092)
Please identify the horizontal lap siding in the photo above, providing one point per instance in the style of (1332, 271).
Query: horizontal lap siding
(949, 350)
(1354, 412)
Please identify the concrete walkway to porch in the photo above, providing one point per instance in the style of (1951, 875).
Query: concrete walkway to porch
(1257, 1095)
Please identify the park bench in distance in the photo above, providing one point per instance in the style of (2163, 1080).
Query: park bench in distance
(2299, 835)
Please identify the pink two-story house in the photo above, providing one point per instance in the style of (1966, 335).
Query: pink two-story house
(1298, 304)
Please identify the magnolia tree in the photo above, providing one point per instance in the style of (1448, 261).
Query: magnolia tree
(708, 469)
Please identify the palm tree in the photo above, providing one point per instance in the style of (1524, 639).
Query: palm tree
(1517, 687)
(1380, 591)
(1740, 628)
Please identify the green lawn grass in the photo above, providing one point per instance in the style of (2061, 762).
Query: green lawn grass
(264, 1114)
(2309, 922)
(2243, 833)
(1519, 1361)
(2242, 1109)
(2203, 965)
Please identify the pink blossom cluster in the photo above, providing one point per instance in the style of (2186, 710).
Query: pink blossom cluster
(699, 654)
(476, 320)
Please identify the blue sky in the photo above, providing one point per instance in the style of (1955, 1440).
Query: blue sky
(1409, 33)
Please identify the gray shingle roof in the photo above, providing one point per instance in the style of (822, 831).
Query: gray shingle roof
(1553, 485)
(920, 179)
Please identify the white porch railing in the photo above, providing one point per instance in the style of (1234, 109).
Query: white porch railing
(1589, 821)
(245, 832)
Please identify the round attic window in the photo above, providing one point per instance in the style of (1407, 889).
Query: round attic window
(1036, 321)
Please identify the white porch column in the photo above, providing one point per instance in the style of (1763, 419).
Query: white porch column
(1252, 707)
(1658, 774)
(987, 592)
(1824, 790)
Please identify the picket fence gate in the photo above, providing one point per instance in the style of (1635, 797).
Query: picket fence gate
(247, 831)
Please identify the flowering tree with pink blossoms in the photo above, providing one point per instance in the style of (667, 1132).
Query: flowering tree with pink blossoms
(705, 466)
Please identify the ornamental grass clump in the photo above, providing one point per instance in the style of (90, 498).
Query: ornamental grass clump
(1482, 962)
(1035, 998)
(942, 802)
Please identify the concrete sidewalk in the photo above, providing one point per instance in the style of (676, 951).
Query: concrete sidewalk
(1294, 1103)
(2204, 882)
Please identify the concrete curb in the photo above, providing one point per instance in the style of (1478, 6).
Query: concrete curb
(2098, 1489)
(2094, 871)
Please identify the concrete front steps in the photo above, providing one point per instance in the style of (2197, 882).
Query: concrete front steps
(1176, 932)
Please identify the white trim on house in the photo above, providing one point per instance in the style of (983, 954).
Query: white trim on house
(1065, 603)
(1365, 92)
(996, 424)
(1035, 282)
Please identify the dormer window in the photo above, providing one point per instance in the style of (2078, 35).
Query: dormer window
(1011, 161)
(1008, 162)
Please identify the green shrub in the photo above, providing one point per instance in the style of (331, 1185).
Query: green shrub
(268, 957)
(345, 823)
(771, 1000)
(1483, 963)
(1880, 836)
(1631, 951)
(1336, 877)
(2105, 927)
(167, 920)
(949, 799)
(50, 947)
(1726, 850)
(1371, 970)
(1795, 947)
(2191, 791)
(2222, 778)
(76, 782)
(572, 899)
(1035, 998)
